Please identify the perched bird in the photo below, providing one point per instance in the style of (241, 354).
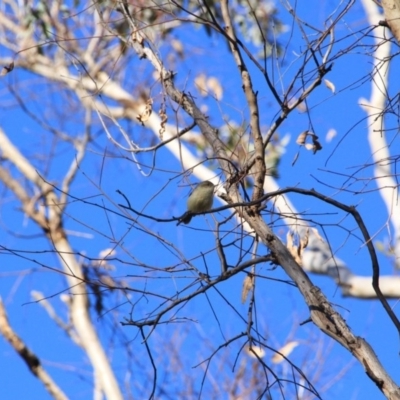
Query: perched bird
(200, 200)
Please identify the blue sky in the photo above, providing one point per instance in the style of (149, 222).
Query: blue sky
(209, 321)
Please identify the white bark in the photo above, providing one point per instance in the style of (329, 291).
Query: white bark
(49, 219)
(375, 109)
(31, 360)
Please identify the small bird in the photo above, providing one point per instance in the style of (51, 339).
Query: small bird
(200, 200)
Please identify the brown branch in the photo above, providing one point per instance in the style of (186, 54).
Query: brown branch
(210, 283)
(368, 241)
(251, 97)
(30, 358)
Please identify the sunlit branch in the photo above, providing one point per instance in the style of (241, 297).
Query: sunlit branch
(30, 358)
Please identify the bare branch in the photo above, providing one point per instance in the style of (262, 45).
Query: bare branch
(251, 97)
(31, 360)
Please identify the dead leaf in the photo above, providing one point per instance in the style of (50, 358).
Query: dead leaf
(214, 85)
(301, 139)
(297, 250)
(330, 85)
(284, 352)
(147, 112)
(178, 47)
(309, 146)
(304, 241)
(255, 351)
(248, 284)
(292, 247)
(108, 281)
(316, 144)
(164, 119)
(109, 252)
(201, 84)
(206, 85)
